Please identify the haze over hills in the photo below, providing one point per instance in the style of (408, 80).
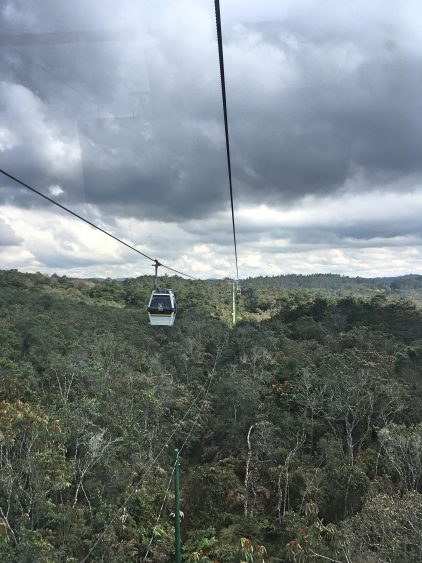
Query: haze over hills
(334, 281)
(409, 285)
(303, 280)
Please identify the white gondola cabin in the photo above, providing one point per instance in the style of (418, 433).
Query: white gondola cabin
(162, 308)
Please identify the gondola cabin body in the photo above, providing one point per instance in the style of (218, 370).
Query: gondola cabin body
(162, 308)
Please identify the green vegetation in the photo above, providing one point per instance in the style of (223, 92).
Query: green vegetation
(305, 442)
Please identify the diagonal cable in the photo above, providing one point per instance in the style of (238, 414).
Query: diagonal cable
(54, 202)
(160, 512)
(152, 463)
(144, 475)
(194, 423)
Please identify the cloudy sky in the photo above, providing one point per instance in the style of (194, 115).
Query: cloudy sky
(114, 108)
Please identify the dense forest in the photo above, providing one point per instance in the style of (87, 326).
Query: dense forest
(300, 428)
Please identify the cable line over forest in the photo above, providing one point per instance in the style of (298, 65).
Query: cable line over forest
(143, 476)
(204, 388)
(226, 124)
(175, 462)
(80, 217)
(229, 168)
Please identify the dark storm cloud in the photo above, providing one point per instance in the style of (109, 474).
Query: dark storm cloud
(173, 166)
(313, 105)
(330, 124)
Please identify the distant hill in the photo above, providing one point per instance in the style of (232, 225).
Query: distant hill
(339, 282)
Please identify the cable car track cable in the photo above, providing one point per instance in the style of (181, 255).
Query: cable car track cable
(226, 124)
(64, 208)
(151, 464)
(174, 467)
(160, 512)
(146, 472)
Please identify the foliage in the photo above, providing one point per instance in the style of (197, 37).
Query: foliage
(313, 539)
(302, 425)
(389, 528)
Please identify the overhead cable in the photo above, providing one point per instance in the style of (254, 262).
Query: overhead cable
(205, 387)
(145, 474)
(160, 512)
(173, 469)
(54, 202)
(226, 125)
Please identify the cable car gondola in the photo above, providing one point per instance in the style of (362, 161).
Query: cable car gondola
(162, 308)
(162, 304)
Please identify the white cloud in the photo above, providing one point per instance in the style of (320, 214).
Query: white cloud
(7, 139)
(267, 240)
(8, 236)
(28, 125)
(53, 239)
(55, 190)
(358, 210)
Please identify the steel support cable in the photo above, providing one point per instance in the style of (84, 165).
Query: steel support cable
(64, 208)
(173, 469)
(143, 476)
(152, 463)
(217, 358)
(160, 512)
(226, 125)
(140, 481)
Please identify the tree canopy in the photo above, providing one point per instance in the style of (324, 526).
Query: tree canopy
(300, 427)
